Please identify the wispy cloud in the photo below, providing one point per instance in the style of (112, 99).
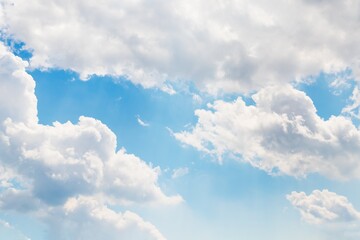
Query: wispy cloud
(141, 122)
(10, 227)
(180, 172)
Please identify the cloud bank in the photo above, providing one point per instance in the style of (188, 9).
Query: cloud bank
(223, 46)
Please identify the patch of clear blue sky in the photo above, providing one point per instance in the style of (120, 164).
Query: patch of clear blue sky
(18, 48)
(329, 100)
(60, 98)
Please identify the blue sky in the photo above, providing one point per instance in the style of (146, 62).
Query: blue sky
(168, 126)
(227, 195)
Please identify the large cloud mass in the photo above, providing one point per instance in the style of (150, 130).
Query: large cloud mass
(280, 133)
(234, 45)
(53, 166)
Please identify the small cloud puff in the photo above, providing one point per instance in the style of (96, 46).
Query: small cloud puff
(280, 134)
(321, 207)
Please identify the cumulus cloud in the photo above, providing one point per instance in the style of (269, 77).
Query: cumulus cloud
(100, 221)
(281, 134)
(16, 82)
(47, 166)
(322, 207)
(69, 159)
(230, 46)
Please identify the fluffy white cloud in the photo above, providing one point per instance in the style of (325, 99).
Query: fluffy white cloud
(280, 133)
(16, 82)
(100, 222)
(230, 45)
(67, 159)
(47, 166)
(323, 207)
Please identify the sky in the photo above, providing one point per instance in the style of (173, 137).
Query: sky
(154, 120)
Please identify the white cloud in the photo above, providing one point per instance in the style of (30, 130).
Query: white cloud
(281, 134)
(132, 180)
(100, 221)
(53, 164)
(340, 81)
(353, 108)
(6, 175)
(68, 159)
(231, 46)
(16, 82)
(141, 122)
(179, 172)
(322, 207)
(197, 99)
